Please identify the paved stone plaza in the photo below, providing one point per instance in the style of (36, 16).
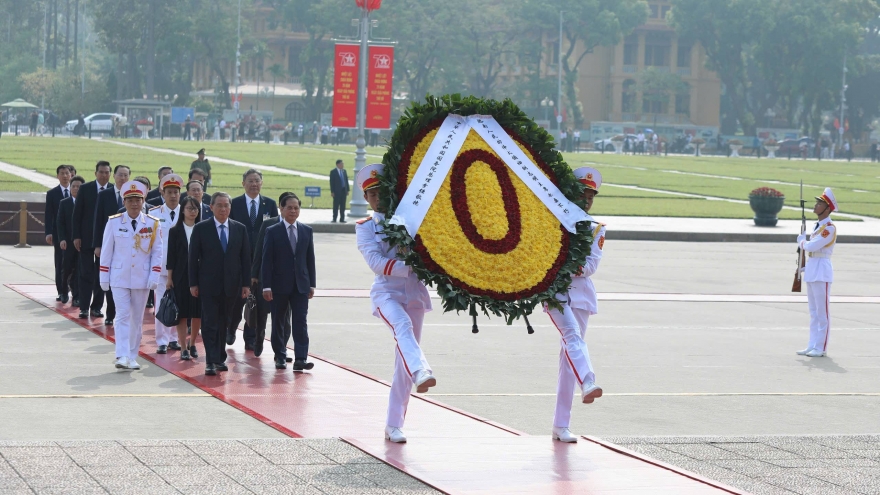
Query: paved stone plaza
(712, 387)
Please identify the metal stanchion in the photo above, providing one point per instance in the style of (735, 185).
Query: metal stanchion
(90, 130)
(22, 227)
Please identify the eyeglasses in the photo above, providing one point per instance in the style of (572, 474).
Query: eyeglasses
(190, 208)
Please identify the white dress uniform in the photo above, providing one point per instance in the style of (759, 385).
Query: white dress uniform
(575, 367)
(165, 334)
(131, 258)
(399, 299)
(818, 275)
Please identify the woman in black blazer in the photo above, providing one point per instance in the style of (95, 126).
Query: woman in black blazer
(178, 276)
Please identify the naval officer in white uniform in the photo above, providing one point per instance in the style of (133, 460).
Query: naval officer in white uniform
(131, 258)
(818, 273)
(168, 215)
(400, 300)
(578, 304)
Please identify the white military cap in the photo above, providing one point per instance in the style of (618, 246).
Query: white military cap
(171, 180)
(828, 198)
(134, 189)
(589, 177)
(368, 177)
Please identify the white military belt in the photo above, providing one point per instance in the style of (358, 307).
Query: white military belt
(819, 255)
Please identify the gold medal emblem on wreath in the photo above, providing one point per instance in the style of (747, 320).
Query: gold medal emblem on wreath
(487, 239)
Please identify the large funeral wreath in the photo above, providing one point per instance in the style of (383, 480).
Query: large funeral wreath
(487, 241)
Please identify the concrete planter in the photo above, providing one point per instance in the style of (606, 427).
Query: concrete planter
(771, 151)
(734, 150)
(618, 147)
(766, 208)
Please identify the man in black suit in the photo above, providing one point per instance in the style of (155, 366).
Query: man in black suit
(257, 275)
(195, 189)
(339, 189)
(91, 297)
(289, 281)
(53, 200)
(108, 204)
(219, 258)
(155, 193)
(199, 175)
(64, 233)
(251, 209)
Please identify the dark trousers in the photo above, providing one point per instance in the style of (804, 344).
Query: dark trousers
(216, 312)
(299, 309)
(59, 266)
(90, 294)
(302, 138)
(111, 305)
(339, 206)
(69, 279)
(187, 136)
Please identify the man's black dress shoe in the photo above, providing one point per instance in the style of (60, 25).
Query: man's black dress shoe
(289, 360)
(83, 314)
(58, 298)
(230, 337)
(163, 349)
(64, 298)
(210, 369)
(248, 347)
(75, 302)
(221, 367)
(302, 365)
(174, 346)
(193, 352)
(280, 364)
(96, 314)
(108, 322)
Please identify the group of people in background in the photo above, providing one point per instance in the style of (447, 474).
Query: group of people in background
(119, 241)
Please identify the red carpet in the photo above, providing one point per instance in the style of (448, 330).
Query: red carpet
(452, 450)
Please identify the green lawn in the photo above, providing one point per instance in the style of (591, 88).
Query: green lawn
(856, 184)
(9, 182)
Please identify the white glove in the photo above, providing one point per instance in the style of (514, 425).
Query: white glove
(802, 238)
(154, 283)
(105, 287)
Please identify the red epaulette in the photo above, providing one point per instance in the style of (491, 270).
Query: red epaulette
(364, 220)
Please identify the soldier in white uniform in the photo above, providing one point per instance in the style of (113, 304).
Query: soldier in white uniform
(575, 368)
(131, 258)
(818, 273)
(168, 215)
(400, 300)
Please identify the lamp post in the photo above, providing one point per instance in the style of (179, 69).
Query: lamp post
(237, 62)
(842, 102)
(559, 76)
(358, 206)
(546, 103)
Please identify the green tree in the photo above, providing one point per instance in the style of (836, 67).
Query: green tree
(277, 72)
(659, 86)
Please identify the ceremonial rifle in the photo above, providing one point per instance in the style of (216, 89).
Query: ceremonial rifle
(802, 258)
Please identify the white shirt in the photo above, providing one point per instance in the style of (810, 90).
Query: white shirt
(189, 231)
(63, 189)
(218, 224)
(253, 200)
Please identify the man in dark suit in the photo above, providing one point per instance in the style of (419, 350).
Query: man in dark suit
(201, 176)
(53, 200)
(195, 188)
(108, 204)
(91, 297)
(155, 193)
(251, 209)
(64, 233)
(339, 189)
(257, 275)
(219, 258)
(289, 281)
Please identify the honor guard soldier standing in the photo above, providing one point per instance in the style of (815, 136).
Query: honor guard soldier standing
(168, 215)
(575, 368)
(131, 259)
(400, 300)
(818, 273)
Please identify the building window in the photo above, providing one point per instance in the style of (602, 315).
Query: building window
(295, 112)
(684, 56)
(655, 11)
(683, 104)
(657, 47)
(628, 97)
(630, 50)
(651, 105)
(294, 66)
(664, 10)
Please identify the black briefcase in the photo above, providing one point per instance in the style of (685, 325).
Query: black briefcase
(250, 311)
(166, 312)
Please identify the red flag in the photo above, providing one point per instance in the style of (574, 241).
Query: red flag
(345, 85)
(379, 87)
(370, 5)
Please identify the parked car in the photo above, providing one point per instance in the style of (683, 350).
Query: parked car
(606, 143)
(100, 122)
(794, 146)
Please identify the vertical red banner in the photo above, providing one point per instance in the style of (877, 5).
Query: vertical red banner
(345, 86)
(379, 94)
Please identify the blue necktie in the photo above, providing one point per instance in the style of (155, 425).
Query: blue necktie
(66, 195)
(253, 213)
(223, 241)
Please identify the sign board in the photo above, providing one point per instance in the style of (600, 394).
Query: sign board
(345, 85)
(379, 87)
(179, 114)
(313, 192)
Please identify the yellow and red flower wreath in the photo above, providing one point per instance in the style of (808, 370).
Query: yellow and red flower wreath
(486, 240)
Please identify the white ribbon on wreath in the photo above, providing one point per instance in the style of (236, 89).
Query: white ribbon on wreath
(444, 148)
